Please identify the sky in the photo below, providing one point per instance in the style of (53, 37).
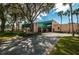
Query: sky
(52, 15)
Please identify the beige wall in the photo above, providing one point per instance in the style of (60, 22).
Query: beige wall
(57, 27)
(65, 27)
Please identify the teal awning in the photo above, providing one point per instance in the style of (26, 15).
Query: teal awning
(25, 24)
(42, 25)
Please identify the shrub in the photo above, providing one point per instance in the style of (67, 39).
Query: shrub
(9, 34)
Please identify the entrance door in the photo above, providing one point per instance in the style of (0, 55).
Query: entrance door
(49, 29)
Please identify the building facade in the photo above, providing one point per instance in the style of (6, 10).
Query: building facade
(56, 27)
(48, 26)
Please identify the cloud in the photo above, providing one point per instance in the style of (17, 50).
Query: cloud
(43, 14)
(39, 17)
(61, 7)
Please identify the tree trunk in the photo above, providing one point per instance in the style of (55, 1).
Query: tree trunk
(71, 18)
(69, 23)
(12, 27)
(78, 27)
(61, 24)
(32, 27)
(13, 22)
(77, 22)
(17, 26)
(3, 24)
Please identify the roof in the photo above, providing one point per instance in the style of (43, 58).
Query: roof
(47, 22)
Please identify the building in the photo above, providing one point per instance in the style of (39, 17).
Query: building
(53, 26)
(47, 26)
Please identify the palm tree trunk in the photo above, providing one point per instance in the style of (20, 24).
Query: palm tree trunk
(61, 24)
(69, 23)
(71, 16)
(78, 27)
(77, 22)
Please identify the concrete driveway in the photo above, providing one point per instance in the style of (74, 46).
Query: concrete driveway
(33, 45)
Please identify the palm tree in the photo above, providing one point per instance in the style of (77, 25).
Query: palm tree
(76, 12)
(71, 16)
(78, 21)
(60, 14)
(67, 13)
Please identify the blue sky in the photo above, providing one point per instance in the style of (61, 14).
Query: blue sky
(52, 15)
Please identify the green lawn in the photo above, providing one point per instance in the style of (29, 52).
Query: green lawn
(9, 35)
(66, 46)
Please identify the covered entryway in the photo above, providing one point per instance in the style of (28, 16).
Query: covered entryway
(45, 26)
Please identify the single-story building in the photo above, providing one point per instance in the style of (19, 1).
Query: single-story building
(47, 26)
(53, 26)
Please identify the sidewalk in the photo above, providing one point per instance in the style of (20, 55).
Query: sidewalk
(51, 34)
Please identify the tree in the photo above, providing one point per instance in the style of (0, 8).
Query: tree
(60, 14)
(14, 12)
(29, 11)
(3, 12)
(32, 10)
(76, 12)
(71, 18)
(71, 15)
(67, 13)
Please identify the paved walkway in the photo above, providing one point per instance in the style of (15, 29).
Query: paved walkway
(51, 34)
(36, 45)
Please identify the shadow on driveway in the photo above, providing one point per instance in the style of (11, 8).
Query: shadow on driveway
(34, 45)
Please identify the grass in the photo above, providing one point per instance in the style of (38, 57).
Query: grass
(4, 36)
(8, 35)
(11, 34)
(66, 46)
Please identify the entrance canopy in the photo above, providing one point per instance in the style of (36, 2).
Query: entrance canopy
(44, 25)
